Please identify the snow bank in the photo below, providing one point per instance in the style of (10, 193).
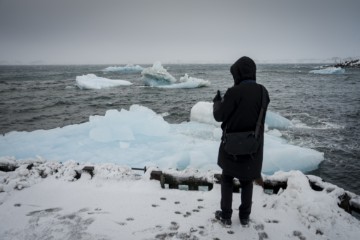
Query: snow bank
(129, 68)
(91, 81)
(139, 137)
(117, 203)
(157, 76)
(329, 70)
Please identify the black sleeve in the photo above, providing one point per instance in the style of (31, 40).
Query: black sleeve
(223, 109)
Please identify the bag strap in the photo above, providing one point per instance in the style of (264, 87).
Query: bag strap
(262, 112)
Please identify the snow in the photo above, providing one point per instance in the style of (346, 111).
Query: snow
(140, 137)
(91, 81)
(158, 76)
(129, 68)
(329, 70)
(118, 203)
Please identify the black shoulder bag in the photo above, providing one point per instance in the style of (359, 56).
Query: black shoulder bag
(245, 143)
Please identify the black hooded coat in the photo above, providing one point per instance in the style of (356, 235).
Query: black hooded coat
(239, 111)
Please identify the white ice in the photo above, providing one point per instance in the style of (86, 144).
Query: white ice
(139, 137)
(158, 76)
(91, 81)
(203, 112)
(188, 82)
(118, 203)
(329, 70)
(129, 68)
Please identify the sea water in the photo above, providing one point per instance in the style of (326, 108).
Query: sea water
(324, 109)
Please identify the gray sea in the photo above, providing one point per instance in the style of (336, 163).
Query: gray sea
(324, 108)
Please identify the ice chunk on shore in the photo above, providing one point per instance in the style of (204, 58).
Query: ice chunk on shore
(139, 137)
(329, 70)
(91, 81)
(203, 112)
(274, 120)
(129, 68)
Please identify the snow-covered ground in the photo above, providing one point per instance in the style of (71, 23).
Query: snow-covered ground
(46, 201)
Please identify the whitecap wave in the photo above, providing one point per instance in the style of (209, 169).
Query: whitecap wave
(129, 68)
(329, 70)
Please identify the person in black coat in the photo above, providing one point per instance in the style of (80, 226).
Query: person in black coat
(238, 111)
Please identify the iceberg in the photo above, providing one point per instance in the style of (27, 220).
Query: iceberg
(91, 81)
(188, 82)
(129, 68)
(329, 70)
(158, 76)
(140, 137)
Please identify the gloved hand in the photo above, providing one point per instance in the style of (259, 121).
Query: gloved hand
(217, 97)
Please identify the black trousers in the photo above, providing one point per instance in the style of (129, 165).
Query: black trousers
(227, 195)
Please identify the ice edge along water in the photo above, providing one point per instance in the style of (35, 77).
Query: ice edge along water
(139, 137)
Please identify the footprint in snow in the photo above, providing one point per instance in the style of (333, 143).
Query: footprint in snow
(263, 235)
(174, 226)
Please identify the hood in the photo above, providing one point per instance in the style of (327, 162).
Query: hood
(243, 69)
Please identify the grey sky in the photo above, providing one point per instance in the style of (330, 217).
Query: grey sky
(207, 31)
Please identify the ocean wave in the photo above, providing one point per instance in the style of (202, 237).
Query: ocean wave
(129, 68)
(329, 70)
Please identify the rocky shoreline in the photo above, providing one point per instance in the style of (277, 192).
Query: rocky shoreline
(348, 64)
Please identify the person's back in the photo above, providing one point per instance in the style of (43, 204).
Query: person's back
(239, 112)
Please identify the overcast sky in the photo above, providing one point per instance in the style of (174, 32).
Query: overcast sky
(171, 31)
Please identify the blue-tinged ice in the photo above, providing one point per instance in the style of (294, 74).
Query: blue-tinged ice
(91, 81)
(139, 137)
(158, 76)
(203, 112)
